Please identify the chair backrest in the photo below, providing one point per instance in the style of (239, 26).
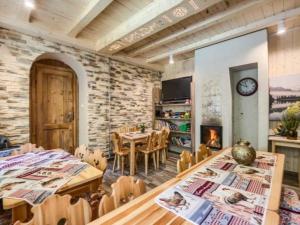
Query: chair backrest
(57, 208)
(106, 205)
(186, 161)
(126, 189)
(149, 141)
(97, 159)
(117, 142)
(168, 131)
(133, 129)
(28, 147)
(202, 153)
(81, 152)
(163, 138)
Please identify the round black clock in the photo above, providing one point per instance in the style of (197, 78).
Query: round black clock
(247, 86)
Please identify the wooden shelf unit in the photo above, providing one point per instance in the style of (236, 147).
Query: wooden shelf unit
(180, 132)
(174, 107)
(180, 119)
(173, 104)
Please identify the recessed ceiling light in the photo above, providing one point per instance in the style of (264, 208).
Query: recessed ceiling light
(29, 4)
(171, 59)
(281, 29)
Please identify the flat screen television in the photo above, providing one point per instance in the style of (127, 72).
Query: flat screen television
(176, 89)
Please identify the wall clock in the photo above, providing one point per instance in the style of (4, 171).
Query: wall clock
(247, 86)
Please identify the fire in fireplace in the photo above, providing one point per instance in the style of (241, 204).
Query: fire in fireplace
(211, 136)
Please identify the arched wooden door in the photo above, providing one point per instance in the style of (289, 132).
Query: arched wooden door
(53, 105)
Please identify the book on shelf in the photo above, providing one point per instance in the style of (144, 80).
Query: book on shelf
(183, 127)
(182, 141)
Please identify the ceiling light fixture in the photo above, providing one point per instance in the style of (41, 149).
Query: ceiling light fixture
(29, 4)
(171, 59)
(281, 29)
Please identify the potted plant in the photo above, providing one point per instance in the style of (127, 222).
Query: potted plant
(290, 120)
(143, 127)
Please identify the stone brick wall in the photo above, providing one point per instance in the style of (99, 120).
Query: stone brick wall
(117, 92)
(131, 94)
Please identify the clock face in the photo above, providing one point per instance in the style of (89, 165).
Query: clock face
(246, 86)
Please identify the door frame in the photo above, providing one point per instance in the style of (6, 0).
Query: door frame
(33, 99)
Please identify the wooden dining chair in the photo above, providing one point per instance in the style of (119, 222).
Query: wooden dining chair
(58, 209)
(81, 153)
(163, 137)
(126, 189)
(119, 150)
(106, 205)
(186, 161)
(203, 153)
(149, 149)
(97, 159)
(133, 129)
(168, 131)
(28, 147)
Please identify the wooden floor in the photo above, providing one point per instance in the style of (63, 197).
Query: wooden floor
(154, 178)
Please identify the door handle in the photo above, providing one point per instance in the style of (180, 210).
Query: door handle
(70, 117)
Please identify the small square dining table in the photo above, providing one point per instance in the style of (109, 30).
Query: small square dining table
(133, 138)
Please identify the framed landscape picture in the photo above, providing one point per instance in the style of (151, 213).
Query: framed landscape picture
(284, 90)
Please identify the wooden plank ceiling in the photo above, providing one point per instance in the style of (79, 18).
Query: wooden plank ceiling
(146, 31)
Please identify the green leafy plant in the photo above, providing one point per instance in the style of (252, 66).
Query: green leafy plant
(142, 127)
(291, 119)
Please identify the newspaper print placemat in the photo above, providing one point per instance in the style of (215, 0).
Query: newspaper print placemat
(34, 176)
(223, 192)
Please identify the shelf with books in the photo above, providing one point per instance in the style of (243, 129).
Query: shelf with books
(180, 132)
(173, 104)
(180, 119)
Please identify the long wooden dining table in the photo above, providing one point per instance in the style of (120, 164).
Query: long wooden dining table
(144, 210)
(87, 180)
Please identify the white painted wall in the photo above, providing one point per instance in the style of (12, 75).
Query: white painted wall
(245, 110)
(183, 68)
(212, 66)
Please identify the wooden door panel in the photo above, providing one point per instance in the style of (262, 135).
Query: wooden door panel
(53, 98)
(55, 113)
(57, 138)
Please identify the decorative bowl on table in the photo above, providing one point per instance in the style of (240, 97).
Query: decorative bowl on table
(243, 153)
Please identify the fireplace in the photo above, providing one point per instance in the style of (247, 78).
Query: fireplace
(211, 136)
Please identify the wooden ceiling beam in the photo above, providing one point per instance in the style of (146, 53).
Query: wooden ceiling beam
(93, 9)
(153, 18)
(220, 17)
(25, 15)
(249, 28)
(137, 61)
(30, 29)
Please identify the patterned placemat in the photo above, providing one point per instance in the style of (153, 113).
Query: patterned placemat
(34, 176)
(223, 192)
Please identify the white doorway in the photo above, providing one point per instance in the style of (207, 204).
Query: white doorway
(244, 108)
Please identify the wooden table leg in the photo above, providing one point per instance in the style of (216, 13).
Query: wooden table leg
(20, 213)
(132, 158)
(273, 147)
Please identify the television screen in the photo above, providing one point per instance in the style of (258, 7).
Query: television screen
(176, 89)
